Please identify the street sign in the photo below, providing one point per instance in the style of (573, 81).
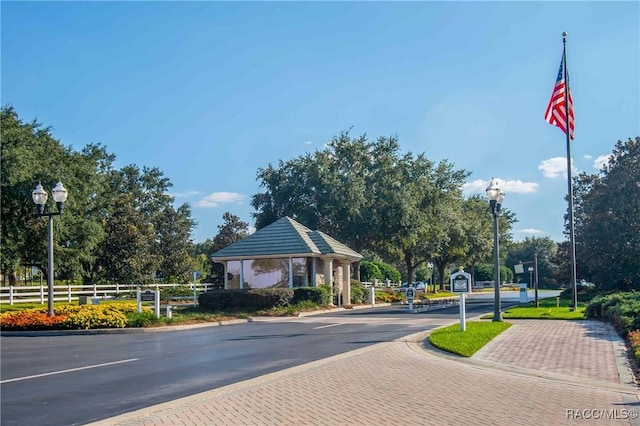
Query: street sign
(411, 293)
(148, 296)
(461, 283)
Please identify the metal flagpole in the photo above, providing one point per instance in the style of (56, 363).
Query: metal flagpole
(572, 239)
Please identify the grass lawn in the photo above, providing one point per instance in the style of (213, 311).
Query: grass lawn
(466, 343)
(547, 310)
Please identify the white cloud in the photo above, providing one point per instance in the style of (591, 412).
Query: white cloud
(308, 143)
(508, 186)
(556, 167)
(217, 198)
(601, 161)
(251, 230)
(588, 157)
(531, 231)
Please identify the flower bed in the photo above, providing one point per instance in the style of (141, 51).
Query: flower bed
(68, 317)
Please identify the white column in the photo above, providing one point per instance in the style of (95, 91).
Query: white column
(328, 271)
(241, 274)
(346, 282)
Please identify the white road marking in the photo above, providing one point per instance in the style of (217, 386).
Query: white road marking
(17, 379)
(327, 326)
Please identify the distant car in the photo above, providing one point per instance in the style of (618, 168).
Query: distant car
(418, 285)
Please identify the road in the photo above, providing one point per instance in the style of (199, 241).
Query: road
(75, 379)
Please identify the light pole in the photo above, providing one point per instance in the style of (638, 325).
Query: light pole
(496, 196)
(430, 266)
(39, 196)
(530, 276)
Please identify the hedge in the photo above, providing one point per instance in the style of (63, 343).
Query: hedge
(621, 309)
(250, 299)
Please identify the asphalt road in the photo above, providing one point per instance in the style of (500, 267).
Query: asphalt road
(75, 379)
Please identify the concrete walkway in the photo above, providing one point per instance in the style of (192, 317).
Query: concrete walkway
(537, 372)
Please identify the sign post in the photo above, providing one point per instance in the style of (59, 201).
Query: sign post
(461, 284)
(410, 295)
(149, 296)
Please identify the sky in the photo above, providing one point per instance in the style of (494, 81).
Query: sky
(209, 92)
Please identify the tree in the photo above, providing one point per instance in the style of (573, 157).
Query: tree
(31, 155)
(364, 193)
(173, 244)
(607, 220)
(546, 250)
(345, 190)
(127, 256)
(105, 206)
(233, 229)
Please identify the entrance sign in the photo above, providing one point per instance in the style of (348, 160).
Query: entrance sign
(149, 296)
(461, 284)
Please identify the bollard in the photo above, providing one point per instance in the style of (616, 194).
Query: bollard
(557, 301)
(168, 311)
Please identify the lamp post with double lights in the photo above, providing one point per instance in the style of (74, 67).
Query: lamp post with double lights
(496, 196)
(40, 196)
(430, 267)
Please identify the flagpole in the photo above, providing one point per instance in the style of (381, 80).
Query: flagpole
(572, 238)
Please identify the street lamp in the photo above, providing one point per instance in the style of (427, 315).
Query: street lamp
(496, 196)
(39, 196)
(430, 266)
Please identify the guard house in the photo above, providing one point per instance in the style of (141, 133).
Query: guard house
(287, 254)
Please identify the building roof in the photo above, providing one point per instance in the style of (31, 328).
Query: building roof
(285, 237)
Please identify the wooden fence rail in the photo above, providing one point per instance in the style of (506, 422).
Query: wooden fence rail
(67, 293)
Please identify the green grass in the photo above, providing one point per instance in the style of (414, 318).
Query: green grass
(547, 310)
(468, 342)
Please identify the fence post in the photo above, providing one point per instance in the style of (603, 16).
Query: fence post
(117, 288)
(41, 294)
(69, 293)
(11, 295)
(95, 293)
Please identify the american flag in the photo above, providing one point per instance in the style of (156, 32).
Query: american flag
(556, 114)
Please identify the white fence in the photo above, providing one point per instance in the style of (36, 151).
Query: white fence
(67, 293)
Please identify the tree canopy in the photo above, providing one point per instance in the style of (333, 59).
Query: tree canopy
(118, 225)
(607, 220)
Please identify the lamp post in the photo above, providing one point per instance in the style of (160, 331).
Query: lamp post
(430, 266)
(530, 269)
(496, 196)
(39, 196)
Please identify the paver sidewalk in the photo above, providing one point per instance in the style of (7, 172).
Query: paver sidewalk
(518, 379)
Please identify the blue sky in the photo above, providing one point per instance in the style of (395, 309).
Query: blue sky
(209, 92)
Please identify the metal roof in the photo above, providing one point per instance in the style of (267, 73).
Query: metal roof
(285, 237)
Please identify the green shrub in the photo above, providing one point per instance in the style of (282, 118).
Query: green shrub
(620, 309)
(388, 272)
(251, 299)
(370, 271)
(359, 293)
(318, 295)
(168, 293)
(142, 319)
